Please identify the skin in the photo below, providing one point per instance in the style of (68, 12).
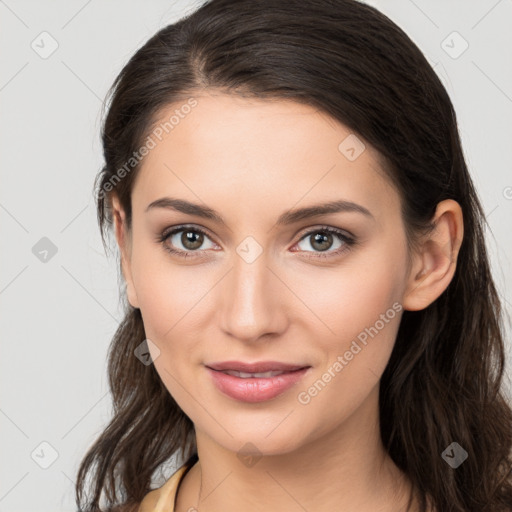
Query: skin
(251, 160)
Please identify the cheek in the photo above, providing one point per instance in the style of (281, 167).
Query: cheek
(354, 297)
(170, 302)
(363, 315)
(170, 296)
(352, 369)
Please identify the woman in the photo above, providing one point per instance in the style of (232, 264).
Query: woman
(311, 321)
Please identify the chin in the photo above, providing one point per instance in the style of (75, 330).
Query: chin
(247, 436)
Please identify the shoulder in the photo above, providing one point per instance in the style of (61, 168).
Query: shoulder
(162, 499)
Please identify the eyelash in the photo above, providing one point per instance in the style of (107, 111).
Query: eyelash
(349, 242)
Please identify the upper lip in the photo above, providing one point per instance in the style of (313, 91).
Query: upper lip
(257, 367)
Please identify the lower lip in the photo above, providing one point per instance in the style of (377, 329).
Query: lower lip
(255, 389)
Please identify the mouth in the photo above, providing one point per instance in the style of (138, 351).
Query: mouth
(255, 382)
(258, 367)
(248, 375)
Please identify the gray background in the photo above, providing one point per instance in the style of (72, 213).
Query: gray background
(58, 316)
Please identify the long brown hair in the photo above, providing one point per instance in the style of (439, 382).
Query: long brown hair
(443, 383)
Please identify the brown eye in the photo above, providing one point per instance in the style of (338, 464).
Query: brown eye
(323, 239)
(191, 240)
(184, 241)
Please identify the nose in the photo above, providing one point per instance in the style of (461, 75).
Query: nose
(253, 300)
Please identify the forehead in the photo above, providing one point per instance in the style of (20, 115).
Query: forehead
(254, 152)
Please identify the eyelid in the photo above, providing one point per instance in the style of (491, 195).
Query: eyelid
(184, 227)
(324, 227)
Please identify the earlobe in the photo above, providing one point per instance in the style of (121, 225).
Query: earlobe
(435, 263)
(123, 241)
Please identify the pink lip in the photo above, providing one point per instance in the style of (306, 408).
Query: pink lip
(255, 389)
(258, 367)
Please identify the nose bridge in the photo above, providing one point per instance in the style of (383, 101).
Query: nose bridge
(250, 305)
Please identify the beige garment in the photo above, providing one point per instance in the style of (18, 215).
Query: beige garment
(162, 499)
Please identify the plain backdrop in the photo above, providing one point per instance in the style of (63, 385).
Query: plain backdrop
(59, 294)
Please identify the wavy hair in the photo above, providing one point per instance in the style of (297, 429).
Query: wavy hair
(444, 379)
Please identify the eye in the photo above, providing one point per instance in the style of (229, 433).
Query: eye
(321, 239)
(191, 239)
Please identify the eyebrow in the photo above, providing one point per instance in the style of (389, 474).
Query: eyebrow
(288, 217)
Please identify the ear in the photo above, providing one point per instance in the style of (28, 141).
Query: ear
(123, 238)
(434, 264)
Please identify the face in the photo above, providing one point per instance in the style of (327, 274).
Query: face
(320, 293)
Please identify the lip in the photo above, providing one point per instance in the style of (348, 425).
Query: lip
(257, 367)
(255, 389)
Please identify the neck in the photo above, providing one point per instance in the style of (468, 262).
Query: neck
(347, 465)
